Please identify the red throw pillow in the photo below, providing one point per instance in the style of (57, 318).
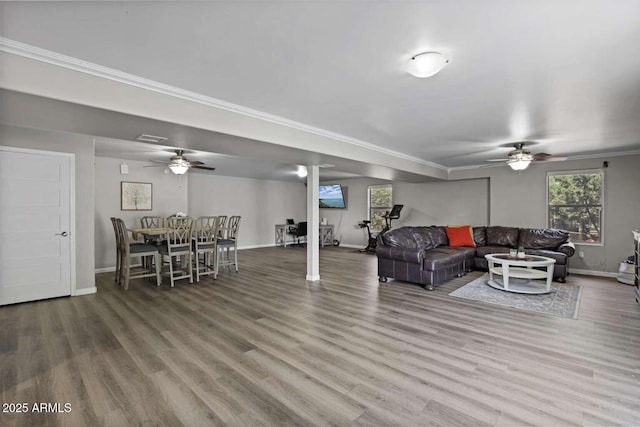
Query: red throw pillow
(460, 236)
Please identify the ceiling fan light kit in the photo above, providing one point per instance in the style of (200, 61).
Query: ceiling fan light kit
(426, 64)
(519, 164)
(519, 159)
(179, 167)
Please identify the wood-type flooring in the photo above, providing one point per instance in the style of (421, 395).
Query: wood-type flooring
(263, 347)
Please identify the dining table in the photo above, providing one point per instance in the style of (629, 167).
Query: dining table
(158, 231)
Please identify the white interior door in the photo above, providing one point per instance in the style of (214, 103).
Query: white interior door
(35, 225)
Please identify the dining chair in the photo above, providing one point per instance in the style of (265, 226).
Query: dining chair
(127, 251)
(116, 278)
(205, 244)
(153, 222)
(114, 223)
(222, 224)
(228, 241)
(178, 246)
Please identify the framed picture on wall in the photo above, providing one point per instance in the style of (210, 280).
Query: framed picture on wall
(135, 196)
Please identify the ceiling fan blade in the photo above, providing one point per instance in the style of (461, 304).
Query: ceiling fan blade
(552, 159)
(196, 163)
(155, 166)
(548, 157)
(203, 167)
(161, 161)
(496, 160)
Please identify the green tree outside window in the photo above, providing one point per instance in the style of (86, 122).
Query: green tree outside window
(380, 202)
(575, 205)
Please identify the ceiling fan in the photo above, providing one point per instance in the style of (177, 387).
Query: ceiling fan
(519, 159)
(179, 164)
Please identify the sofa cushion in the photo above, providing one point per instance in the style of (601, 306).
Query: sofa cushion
(549, 238)
(439, 236)
(480, 236)
(424, 237)
(400, 237)
(460, 236)
(485, 250)
(411, 255)
(435, 259)
(502, 236)
(558, 256)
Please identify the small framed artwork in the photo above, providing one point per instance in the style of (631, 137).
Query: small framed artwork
(135, 196)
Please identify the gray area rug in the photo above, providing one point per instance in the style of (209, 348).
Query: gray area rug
(563, 300)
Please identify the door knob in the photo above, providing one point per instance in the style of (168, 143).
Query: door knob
(63, 234)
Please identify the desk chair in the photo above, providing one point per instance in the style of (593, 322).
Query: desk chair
(301, 231)
(291, 227)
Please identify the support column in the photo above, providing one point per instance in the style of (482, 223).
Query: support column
(313, 224)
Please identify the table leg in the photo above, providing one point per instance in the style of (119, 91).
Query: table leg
(505, 276)
(281, 239)
(549, 276)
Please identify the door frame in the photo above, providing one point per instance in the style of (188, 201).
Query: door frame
(71, 157)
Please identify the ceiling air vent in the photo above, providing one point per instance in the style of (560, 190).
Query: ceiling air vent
(151, 138)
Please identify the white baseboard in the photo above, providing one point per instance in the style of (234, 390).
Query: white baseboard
(347, 245)
(593, 273)
(85, 291)
(266, 245)
(112, 269)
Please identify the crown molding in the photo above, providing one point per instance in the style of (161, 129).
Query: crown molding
(612, 154)
(43, 55)
(579, 157)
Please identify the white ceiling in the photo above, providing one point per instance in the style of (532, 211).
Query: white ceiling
(565, 74)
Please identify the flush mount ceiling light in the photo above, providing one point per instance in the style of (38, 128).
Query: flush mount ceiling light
(302, 171)
(426, 64)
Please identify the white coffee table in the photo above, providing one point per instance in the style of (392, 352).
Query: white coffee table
(518, 275)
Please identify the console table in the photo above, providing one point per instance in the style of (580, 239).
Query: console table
(326, 235)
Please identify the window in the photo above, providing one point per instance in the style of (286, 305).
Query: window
(380, 202)
(574, 201)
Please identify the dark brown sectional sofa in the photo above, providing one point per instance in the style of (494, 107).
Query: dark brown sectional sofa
(422, 254)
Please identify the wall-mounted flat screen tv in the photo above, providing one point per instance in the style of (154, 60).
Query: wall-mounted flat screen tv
(331, 196)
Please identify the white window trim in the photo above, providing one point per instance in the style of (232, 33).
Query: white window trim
(600, 171)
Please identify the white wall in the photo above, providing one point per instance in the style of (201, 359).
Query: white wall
(443, 203)
(83, 148)
(169, 195)
(520, 200)
(440, 203)
(260, 203)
